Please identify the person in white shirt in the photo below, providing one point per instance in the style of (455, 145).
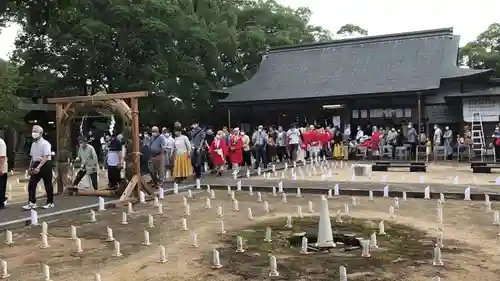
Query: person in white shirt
(3, 173)
(40, 169)
(293, 137)
(169, 149)
(182, 151)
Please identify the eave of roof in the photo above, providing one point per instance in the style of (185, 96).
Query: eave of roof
(403, 62)
(493, 91)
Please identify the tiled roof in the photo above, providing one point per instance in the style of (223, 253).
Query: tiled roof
(375, 64)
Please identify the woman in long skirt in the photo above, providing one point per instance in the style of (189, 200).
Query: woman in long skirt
(182, 163)
(338, 146)
(218, 152)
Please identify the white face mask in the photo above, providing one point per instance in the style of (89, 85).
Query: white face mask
(260, 130)
(447, 128)
(35, 135)
(393, 129)
(435, 128)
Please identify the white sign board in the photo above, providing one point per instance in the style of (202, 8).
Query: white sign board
(488, 107)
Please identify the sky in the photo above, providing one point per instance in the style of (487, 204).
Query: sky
(379, 17)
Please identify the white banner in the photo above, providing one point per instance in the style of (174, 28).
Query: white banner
(488, 107)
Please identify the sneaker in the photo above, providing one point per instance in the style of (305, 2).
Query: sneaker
(48, 206)
(30, 206)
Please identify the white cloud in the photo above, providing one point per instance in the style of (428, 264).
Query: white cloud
(379, 17)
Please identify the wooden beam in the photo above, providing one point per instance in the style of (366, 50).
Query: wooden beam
(99, 97)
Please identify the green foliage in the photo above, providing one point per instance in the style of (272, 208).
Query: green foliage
(484, 52)
(176, 49)
(9, 115)
(352, 29)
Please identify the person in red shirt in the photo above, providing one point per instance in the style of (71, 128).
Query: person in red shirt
(218, 153)
(235, 152)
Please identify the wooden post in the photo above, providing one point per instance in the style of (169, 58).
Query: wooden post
(58, 160)
(229, 119)
(419, 111)
(134, 106)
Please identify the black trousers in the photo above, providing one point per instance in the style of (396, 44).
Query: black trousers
(45, 174)
(197, 162)
(247, 158)
(81, 174)
(281, 152)
(114, 176)
(293, 151)
(3, 187)
(497, 153)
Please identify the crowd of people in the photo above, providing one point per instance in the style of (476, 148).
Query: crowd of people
(191, 151)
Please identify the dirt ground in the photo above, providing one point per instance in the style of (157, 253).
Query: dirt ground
(470, 246)
(441, 173)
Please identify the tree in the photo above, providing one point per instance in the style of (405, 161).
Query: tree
(484, 52)
(352, 30)
(9, 115)
(176, 49)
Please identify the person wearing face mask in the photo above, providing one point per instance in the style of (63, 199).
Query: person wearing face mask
(40, 169)
(89, 163)
(293, 136)
(447, 139)
(182, 151)
(437, 136)
(169, 148)
(412, 138)
(259, 139)
(197, 137)
(496, 143)
(114, 161)
(247, 153)
(360, 134)
(280, 144)
(218, 152)
(392, 140)
(157, 159)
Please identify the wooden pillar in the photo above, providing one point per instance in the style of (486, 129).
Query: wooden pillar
(134, 106)
(59, 161)
(229, 119)
(419, 111)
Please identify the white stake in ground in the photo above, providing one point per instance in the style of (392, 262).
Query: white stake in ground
(239, 244)
(354, 201)
(405, 197)
(102, 206)
(190, 194)
(92, 217)
(194, 240)
(467, 194)
(339, 217)
(275, 193)
(124, 218)
(97, 277)
(187, 210)
(299, 212)
(330, 194)
(151, 221)
(184, 224)
(249, 214)
(220, 214)
(299, 193)
(130, 208)
(283, 198)
(163, 254)
(34, 217)
(346, 208)
(8, 238)
(109, 232)
(222, 228)
(395, 202)
(233, 195)
(381, 228)
(310, 208)
(146, 238)
(496, 218)
(440, 216)
(288, 221)
(78, 245)
(259, 197)
(304, 246)
(250, 190)
(212, 194)
(208, 204)
(392, 215)
(437, 261)
(4, 270)
(386, 191)
(45, 241)
(342, 273)
(266, 207)
(46, 272)
(142, 197)
(336, 190)
(427, 192)
(184, 201)
(236, 206)
(216, 259)
(370, 195)
(273, 267)
(441, 197)
(373, 240)
(160, 208)
(73, 234)
(268, 237)
(325, 235)
(365, 244)
(117, 252)
(161, 193)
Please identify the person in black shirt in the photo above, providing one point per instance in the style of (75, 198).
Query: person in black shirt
(209, 138)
